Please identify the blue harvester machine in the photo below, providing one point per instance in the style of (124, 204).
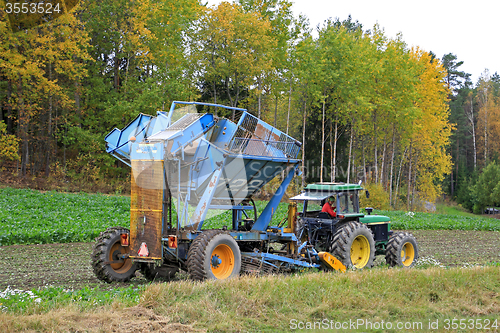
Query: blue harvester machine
(188, 166)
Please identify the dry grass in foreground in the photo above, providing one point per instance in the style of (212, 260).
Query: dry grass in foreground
(270, 303)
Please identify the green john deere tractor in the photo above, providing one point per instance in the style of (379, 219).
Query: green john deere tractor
(349, 235)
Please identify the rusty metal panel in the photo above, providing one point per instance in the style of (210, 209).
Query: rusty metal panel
(146, 207)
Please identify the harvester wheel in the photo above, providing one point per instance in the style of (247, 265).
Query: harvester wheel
(164, 272)
(214, 254)
(353, 245)
(402, 250)
(106, 261)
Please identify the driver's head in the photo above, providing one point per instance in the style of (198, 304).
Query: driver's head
(331, 199)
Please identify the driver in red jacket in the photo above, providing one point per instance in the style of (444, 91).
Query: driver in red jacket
(329, 207)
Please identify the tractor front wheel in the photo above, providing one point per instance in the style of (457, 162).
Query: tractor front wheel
(353, 244)
(402, 250)
(214, 254)
(107, 257)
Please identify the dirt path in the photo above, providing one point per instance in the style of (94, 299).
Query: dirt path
(68, 265)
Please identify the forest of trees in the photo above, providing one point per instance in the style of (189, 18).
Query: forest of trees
(365, 106)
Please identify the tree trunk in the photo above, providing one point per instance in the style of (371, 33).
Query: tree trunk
(322, 143)
(485, 137)
(215, 93)
(55, 135)
(334, 160)
(49, 131)
(116, 71)
(399, 174)
(237, 97)
(469, 113)
(473, 136)
(332, 172)
(259, 96)
(64, 147)
(226, 83)
(22, 127)
(9, 107)
(409, 178)
(304, 146)
(276, 113)
(353, 165)
(383, 167)
(414, 183)
(392, 163)
(350, 153)
(289, 106)
(451, 183)
(456, 166)
(485, 126)
(364, 160)
(376, 148)
(126, 72)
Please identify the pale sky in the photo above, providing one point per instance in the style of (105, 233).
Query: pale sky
(468, 29)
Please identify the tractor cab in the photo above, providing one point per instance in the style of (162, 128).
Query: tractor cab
(345, 201)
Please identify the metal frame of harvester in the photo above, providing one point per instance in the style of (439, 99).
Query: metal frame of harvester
(186, 164)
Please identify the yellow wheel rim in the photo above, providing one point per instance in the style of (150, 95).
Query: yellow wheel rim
(222, 261)
(360, 251)
(407, 254)
(119, 267)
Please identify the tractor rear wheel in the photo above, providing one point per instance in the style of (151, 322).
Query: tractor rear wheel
(164, 272)
(107, 260)
(402, 250)
(353, 245)
(214, 254)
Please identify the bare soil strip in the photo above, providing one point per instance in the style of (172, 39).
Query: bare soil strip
(68, 265)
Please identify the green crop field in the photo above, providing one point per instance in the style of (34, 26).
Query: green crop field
(33, 217)
(431, 221)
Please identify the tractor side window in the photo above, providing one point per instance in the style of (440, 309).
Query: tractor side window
(348, 203)
(314, 206)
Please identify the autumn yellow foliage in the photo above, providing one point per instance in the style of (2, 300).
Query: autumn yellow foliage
(432, 128)
(9, 144)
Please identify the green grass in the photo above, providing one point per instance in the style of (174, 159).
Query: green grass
(45, 299)
(33, 217)
(452, 210)
(433, 221)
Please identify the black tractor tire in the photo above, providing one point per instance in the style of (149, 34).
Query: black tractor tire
(401, 250)
(215, 255)
(105, 250)
(165, 272)
(353, 245)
